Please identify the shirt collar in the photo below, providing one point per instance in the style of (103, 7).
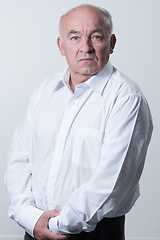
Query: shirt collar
(99, 81)
(62, 80)
(96, 82)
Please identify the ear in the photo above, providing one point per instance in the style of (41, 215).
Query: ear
(112, 43)
(60, 46)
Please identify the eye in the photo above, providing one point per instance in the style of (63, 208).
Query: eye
(97, 38)
(74, 38)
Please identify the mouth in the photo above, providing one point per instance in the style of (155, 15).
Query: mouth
(86, 59)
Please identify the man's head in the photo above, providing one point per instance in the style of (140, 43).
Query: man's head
(86, 40)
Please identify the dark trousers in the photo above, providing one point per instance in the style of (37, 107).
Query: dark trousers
(106, 229)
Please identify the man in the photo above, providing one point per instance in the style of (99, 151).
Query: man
(79, 150)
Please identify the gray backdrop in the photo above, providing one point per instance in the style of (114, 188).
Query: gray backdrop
(28, 54)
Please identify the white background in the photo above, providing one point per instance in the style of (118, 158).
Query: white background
(28, 54)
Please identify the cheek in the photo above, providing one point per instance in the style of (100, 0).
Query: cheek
(71, 56)
(102, 53)
(67, 48)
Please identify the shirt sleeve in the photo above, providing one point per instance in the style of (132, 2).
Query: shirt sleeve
(127, 135)
(18, 175)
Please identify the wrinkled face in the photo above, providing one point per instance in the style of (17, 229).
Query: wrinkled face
(84, 42)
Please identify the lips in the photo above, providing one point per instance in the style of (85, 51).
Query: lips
(86, 59)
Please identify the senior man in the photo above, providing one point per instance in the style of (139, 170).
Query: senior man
(79, 150)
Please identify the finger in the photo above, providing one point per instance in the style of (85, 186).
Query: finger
(51, 235)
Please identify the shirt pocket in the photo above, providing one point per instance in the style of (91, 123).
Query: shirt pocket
(87, 147)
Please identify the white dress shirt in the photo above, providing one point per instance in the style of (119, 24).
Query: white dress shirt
(81, 153)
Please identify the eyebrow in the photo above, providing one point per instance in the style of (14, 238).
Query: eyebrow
(99, 30)
(74, 32)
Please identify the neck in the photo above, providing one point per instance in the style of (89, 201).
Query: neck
(77, 79)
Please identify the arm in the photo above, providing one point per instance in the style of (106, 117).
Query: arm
(18, 179)
(18, 175)
(22, 207)
(113, 187)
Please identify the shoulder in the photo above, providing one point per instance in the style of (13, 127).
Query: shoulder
(120, 88)
(47, 85)
(121, 91)
(125, 85)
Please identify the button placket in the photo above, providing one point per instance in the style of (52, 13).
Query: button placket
(61, 140)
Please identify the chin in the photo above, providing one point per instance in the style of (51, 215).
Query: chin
(90, 70)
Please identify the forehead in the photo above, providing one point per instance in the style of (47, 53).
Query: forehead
(82, 20)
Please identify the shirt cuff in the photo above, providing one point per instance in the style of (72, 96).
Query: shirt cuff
(53, 225)
(28, 218)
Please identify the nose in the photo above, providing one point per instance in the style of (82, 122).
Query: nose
(86, 46)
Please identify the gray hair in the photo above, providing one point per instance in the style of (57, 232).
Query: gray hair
(104, 15)
(107, 19)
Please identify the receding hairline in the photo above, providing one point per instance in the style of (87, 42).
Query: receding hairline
(103, 14)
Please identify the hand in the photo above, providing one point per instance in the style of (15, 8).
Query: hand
(42, 231)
